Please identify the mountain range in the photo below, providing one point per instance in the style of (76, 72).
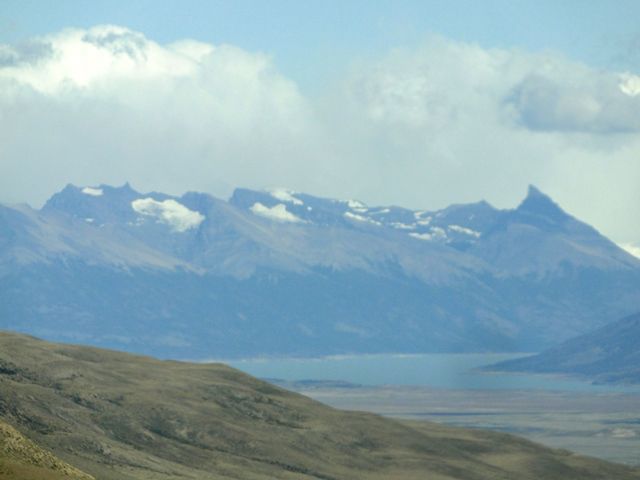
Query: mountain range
(285, 273)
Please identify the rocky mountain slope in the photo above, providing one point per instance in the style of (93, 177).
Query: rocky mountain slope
(125, 417)
(610, 354)
(286, 273)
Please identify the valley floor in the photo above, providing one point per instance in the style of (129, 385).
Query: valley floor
(604, 425)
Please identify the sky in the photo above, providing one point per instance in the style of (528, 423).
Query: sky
(420, 104)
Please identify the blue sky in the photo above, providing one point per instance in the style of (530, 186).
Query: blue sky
(416, 103)
(313, 41)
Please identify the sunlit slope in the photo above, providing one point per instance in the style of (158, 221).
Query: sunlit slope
(119, 416)
(21, 459)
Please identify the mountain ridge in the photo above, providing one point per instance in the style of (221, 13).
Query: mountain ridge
(196, 275)
(610, 354)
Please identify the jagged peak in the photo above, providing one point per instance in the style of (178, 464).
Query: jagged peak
(538, 203)
(534, 193)
(70, 187)
(83, 200)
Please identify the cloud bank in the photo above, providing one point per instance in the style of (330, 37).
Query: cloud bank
(445, 122)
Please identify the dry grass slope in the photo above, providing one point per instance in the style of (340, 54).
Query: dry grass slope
(125, 417)
(20, 458)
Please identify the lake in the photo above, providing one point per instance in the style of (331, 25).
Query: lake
(563, 412)
(449, 371)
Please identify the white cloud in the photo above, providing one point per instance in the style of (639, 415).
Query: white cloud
(169, 212)
(447, 83)
(447, 122)
(278, 213)
(595, 102)
(631, 248)
(630, 84)
(76, 60)
(108, 105)
(470, 132)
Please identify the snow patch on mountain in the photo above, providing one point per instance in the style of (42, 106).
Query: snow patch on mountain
(285, 196)
(354, 204)
(170, 212)
(278, 213)
(94, 192)
(436, 233)
(403, 226)
(360, 218)
(464, 230)
(381, 212)
(422, 236)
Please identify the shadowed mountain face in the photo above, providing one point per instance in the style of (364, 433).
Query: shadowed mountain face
(287, 273)
(610, 354)
(125, 417)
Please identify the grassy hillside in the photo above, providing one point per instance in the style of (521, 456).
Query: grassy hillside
(21, 459)
(125, 417)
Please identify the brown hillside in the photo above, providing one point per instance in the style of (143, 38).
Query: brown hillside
(20, 458)
(119, 416)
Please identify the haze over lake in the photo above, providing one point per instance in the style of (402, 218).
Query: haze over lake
(559, 411)
(447, 371)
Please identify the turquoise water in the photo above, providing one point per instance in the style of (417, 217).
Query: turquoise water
(451, 371)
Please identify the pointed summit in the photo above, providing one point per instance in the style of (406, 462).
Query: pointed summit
(534, 191)
(539, 204)
(534, 194)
